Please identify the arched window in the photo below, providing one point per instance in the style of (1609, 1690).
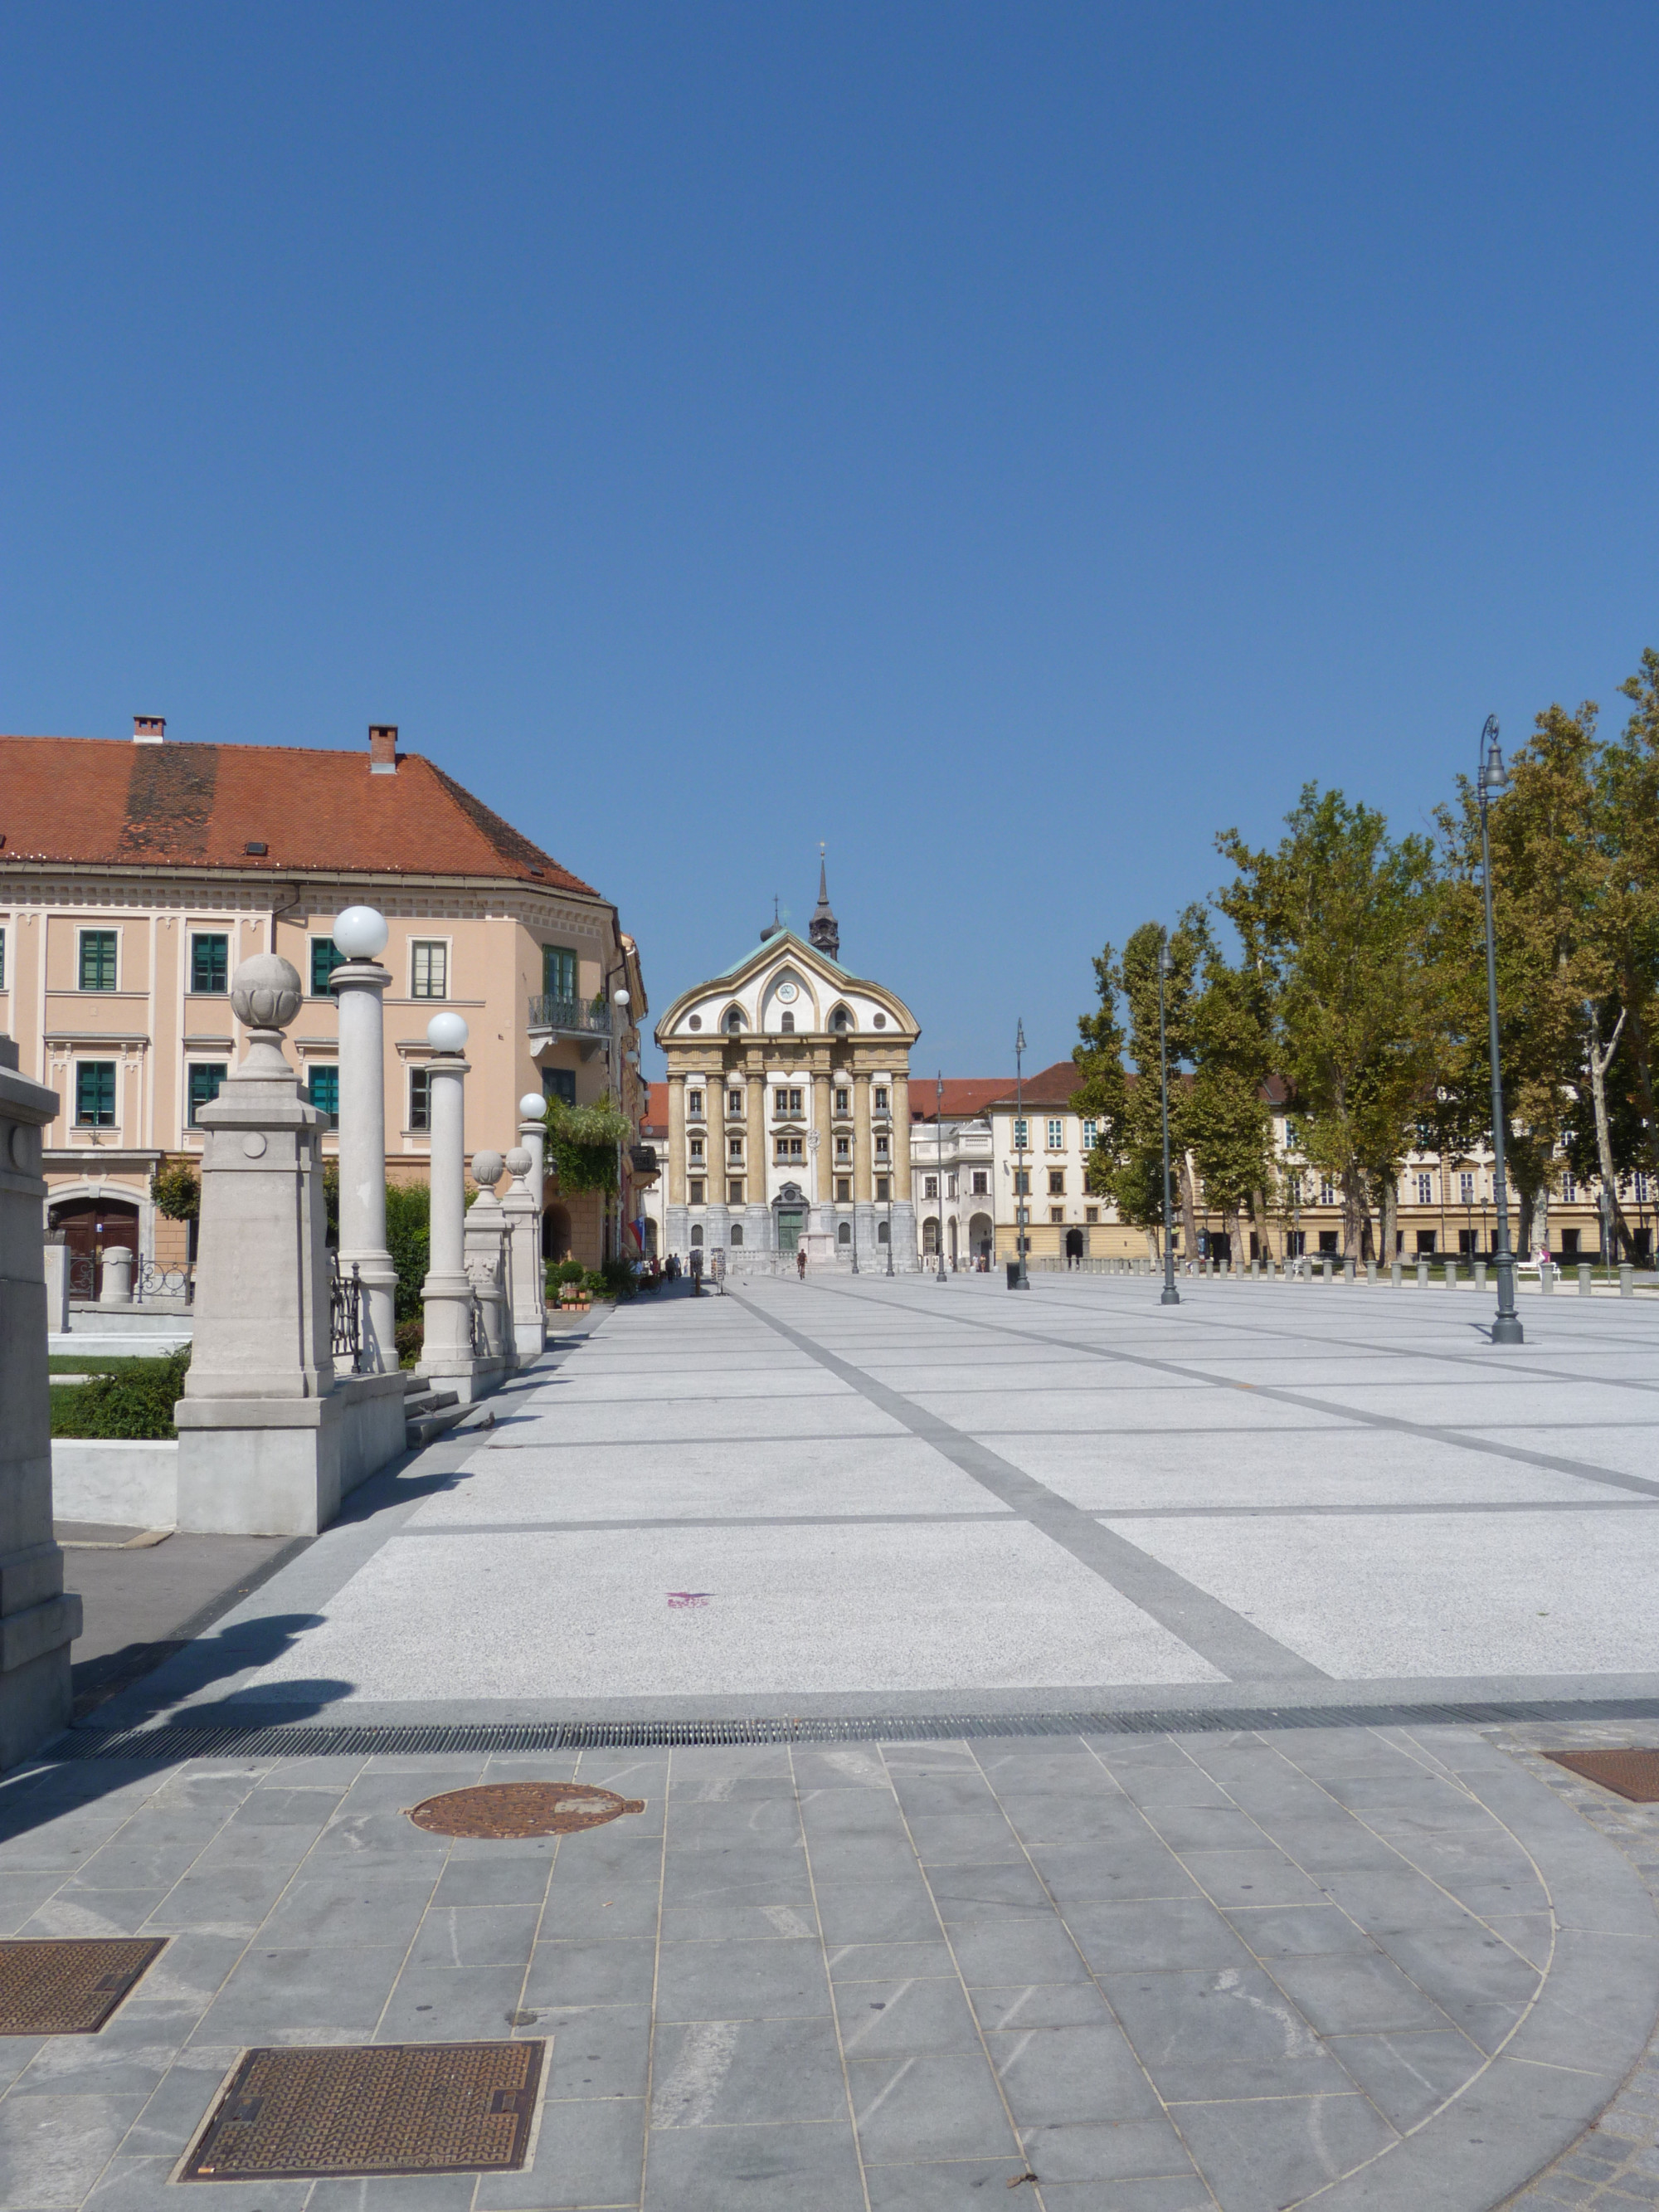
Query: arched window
(881, 1232)
(840, 1020)
(787, 1025)
(844, 1234)
(733, 1022)
(696, 1232)
(736, 1233)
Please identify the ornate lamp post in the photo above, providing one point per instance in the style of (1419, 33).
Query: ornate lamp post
(359, 983)
(1490, 781)
(1172, 1295)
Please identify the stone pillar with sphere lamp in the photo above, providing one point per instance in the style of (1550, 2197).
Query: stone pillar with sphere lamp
(526, 1274)
(447, 1293)
(619, 1001)
(359, 983)
(484, 1243)
(270, 1440)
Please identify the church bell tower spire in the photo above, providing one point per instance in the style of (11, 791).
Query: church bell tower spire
(823, 929)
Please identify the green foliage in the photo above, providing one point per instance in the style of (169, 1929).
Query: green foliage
(582, 1144)
(411, 1338)
(409, 1239)
(176, 1189)
(567, 1271)
(136, 1404)
(617, 1277)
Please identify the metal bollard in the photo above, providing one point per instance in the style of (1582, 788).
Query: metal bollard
(1371, 1272)
(1478, 1269)
(1422, 1274)
(1327, 1269)
(1451, 1274)
(1394, 1274)
(1626, 1279)
(1546, 1278)
(1584, 1291)
(1256, 1271)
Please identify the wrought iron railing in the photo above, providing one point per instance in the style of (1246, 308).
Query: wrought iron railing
(583, 1017)
(149, 1281)
(345, 1313)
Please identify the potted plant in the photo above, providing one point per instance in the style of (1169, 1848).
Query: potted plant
(570, 1275)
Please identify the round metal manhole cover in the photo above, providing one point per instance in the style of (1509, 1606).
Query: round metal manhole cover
(505, 1809)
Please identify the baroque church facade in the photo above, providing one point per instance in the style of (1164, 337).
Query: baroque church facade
(789, 1109)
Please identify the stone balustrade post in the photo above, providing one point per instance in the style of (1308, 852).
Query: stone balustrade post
(532, 1135)
(526, 1271)
(360, 983)
(447, 1293)
(116, 1289)
(484, 1241)
(38, 1621)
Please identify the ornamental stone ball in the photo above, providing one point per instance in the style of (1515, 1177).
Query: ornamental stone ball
(486, 1169)
(518, 1162)
(532, 1106)
(447, 1033)
(360, 933)
(265, 992)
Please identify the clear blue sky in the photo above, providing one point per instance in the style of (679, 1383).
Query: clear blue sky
(1009, 443)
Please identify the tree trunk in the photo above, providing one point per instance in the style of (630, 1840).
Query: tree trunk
(1188, 1208)
(1391, 1220)
(1154, 1249)
(1259, 1219)
(1598, 1058)
(1229, 1223)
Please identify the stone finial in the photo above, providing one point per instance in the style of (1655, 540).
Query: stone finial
(265, 993)
(487, 1169)
(518, 1162)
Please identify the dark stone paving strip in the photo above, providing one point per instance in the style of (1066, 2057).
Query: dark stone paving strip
(1240, 1650)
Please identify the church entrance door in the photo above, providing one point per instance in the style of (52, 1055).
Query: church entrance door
(792, 1221)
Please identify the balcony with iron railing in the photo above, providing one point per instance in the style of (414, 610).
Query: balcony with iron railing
(588, 1021)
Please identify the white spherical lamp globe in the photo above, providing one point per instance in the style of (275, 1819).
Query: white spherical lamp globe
(620, 998)
(447, 1033)
(360, 933)
(532, 1106)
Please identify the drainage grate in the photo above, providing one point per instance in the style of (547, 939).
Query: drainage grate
(1633, 1773)
(70, 1987)
(343, 2109)
(503, 1809)
(302, 1740)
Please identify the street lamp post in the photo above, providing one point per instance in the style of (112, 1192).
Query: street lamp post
(1172, 1295)
(1491, 780)
(892, 1159)
(938, 1162)
(1022, 1280)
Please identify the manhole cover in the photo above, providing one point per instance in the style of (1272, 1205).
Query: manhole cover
(502, 1809)
(1634, 1774)
(70, 1987)
(368, 2108)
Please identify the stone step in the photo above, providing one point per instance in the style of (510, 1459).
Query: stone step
(422, 1427)
(418, 1403)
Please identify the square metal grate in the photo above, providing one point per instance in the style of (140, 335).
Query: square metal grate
(1633, 1773)
(333, 2108)
(71, 1986)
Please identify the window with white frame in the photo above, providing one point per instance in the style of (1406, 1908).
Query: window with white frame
(843, 1100)
(982, 1184)
(1020, 1134)
(697, 1148)
(1425, 1190)
(950, 1185)
(1091, 1135)
(1293, 1141)
(844, 1148)
(1641, 1186)
(734, 1148)
(787, 1104)
(881, 1098)
(1294, 1184)
(94, 1094)
(1570, 1187)
(429, 968)
(1466, 1189)
(930, 1187)
(1326, 1191)
(693, 1104)
(1056, 1135)
(98, 959)
(789, 1148)
(881, 1144)
(734, 1102)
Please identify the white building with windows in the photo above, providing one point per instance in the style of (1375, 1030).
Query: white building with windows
(788, 1113)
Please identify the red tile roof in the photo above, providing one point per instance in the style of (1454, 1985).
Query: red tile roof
(98, 801)
(653, 1119)
(1048, 1086)
(964, 1095)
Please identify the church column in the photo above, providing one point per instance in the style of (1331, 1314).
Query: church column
(824, 1156)
(757, 1215)
(864, 1211)
(675, 1220)
(904, 1212)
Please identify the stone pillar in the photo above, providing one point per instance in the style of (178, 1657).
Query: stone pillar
(484, 1241)
(526, 1271)
(57, 1274)
(756, 1214)
(447, 1293)
(359, 983)
(905, 1256)
(823, 1151)
(38, 1621)
(532, 1137)
(116, 1289)
(864, 1211)
(268, 1440)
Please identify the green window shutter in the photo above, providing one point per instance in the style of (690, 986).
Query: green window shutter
(94, 1094)
(325, 957)
(209, 964)
(205, 1076)
(558, 972)
(97, 959)
(322, 1089)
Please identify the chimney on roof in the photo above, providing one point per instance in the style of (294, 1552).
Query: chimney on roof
(383, 748)
(149, 729)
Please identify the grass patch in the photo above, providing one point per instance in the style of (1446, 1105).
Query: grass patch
(135, 1402)
(65, 1363)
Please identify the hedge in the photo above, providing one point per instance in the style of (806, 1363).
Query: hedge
(136, 1404)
